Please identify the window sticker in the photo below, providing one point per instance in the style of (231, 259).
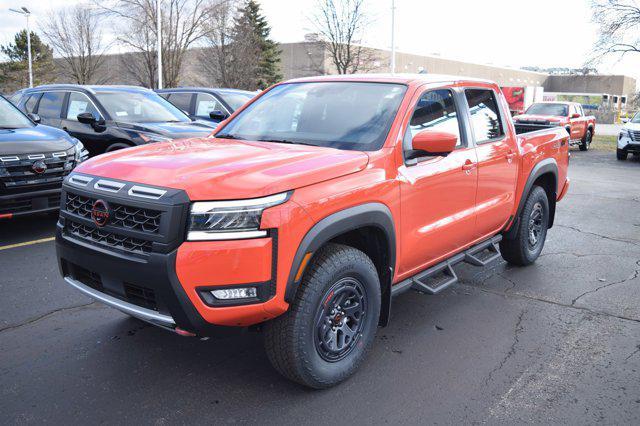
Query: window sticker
(205, 107)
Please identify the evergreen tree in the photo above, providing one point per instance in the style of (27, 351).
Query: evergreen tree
(251, 34)
(14, 73)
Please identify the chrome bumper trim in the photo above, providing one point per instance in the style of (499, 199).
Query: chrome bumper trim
(144, 314)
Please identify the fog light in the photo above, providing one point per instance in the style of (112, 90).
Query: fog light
(235, 293)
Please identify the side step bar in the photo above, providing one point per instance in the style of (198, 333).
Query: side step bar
(442, 275)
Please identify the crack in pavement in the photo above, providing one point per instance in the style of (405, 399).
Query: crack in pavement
(605, 237)
(551, 302)
(43, 316)
(633, 353)
(632, 277)
(512, 349)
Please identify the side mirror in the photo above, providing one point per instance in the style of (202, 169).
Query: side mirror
(34, 117)
(218, 115)
(625, 120)
(434, 142)
(575, 115)
(86, 118)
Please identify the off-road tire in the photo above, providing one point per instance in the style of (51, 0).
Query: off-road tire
(291, 339)
(586, 141)
(621, 154)
(519, 250)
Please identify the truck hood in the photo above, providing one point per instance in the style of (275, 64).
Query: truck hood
(33, 140)
(632, 126)
(222, 169)
(534, 117)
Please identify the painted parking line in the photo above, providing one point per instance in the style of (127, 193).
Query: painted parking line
(27, 243)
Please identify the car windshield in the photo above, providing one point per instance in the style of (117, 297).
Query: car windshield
(548, 109)
(636, 118)
(11, 117)
(343, 115)
(236, 99)
(140, 107)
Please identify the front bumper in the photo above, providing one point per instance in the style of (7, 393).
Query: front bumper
(627, 144)
(19, 204)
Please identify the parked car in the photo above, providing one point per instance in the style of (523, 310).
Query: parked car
(315, 204)
(33, 161)
(108, 118)
(201, 103)
(629, 138)
(570, 115)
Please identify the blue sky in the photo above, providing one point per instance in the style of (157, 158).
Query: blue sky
(500, 32)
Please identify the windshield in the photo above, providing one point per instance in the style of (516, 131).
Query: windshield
(11, 117)
(636, 118)
(343, 115)
(139, 107)
(236, 99)
(549, 109)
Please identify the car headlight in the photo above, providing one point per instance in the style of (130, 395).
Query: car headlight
(152, 137)
(230, 220)
(81, 153)
(624, 133)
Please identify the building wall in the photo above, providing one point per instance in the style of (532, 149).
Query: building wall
(611, 84)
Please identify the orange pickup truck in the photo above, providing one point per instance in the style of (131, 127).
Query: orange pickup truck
(570, 115)
(308, 209)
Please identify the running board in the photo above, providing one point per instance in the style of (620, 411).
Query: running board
(442, 276)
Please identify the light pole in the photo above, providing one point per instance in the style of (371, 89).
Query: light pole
(25, 12)
(393, 36)
(159, 46)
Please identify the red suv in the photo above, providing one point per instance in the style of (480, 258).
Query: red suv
(308, 209)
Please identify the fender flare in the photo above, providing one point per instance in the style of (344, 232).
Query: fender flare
(548, 165)
(370, 214)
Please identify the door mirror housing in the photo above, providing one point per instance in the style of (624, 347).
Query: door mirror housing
(34, 117)
(433, 143)
(86, 118)
(218, 115)
(625, 120)
(575, 115)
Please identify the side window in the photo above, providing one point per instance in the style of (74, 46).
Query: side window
(206, 103)
(78, 104)
(485, 115)
(51, 105)
(30, 104)
(182, 101)
(435, 110)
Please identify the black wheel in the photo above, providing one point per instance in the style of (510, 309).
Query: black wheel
(621, 154)
(531, 233)
(586, 141)
(330, 326)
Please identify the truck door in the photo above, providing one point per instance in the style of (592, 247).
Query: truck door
(497, 161)
(437, 192)
(93, 138)
(578, 123)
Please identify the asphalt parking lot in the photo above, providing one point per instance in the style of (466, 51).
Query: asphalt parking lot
(557, 342)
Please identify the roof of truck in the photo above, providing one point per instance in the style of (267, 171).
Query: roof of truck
(400, 78)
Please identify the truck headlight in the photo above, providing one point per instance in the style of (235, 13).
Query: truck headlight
(81, 153)
(624, 133)
(230, 220)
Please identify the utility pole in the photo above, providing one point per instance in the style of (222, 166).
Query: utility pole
(393, 36)
(159, 42)
(25, 12)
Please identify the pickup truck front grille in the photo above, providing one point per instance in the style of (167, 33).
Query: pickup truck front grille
(29, 172)
(26, 204)
(635, 135)
(107, 239)
(133, 218)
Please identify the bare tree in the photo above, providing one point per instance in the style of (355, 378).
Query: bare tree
(341, 25)
(75, 33)
(618, 28)
(183, 24)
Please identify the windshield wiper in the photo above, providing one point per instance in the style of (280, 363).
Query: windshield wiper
(229, 136)
(286, 141)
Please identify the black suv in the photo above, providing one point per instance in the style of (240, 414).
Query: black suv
(201, 103)
(33, 161)
(106, 118)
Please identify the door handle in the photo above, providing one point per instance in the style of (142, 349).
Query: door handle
(468, 166)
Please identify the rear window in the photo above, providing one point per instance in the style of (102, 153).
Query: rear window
(485, 115)
(51, 105)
